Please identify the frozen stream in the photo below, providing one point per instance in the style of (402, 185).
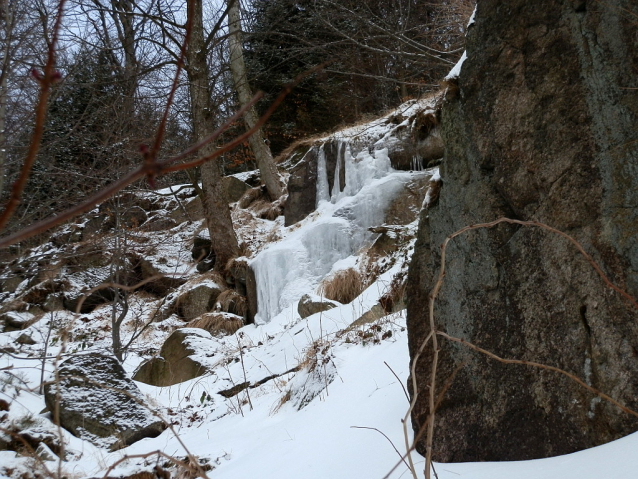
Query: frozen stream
(295, 265)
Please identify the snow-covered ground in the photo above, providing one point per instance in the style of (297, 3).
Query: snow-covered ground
(337, 414)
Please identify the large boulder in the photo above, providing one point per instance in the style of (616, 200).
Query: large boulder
(189, 210)
(198, 300)
(415, 142)
(159, 279)
(15, 321)
(234, 187)
(540, 125)
(99, 403)
(176, 362)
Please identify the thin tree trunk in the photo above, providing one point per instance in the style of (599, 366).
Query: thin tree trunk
(215, 201)
(126, 33)
(5, 18)
(260, 149)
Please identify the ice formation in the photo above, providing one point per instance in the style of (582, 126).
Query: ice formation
(290, 268)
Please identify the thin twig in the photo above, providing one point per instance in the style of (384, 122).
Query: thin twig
(384, 435)
(434, 333)
(407, 396)
(48, 77)
(540, 366)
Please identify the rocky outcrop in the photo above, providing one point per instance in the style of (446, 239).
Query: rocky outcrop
(541, 126)
(15, 321)
(302, 184)
(312, 304)
(156, 279)
(416, 141)
(302, 189)
(99, 403)
(234, 187)
(175, 363)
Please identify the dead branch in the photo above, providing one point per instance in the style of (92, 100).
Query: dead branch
(152, 168)
(434, 333)
(46, 79)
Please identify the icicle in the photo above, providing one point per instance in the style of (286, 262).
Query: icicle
(323, 190)
(336, 188)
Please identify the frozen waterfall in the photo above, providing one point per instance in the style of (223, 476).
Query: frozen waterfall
(286, 270)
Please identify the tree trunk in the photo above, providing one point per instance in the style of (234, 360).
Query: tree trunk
(5, 17)
(123, 18)
(214, 199)
(260, 149)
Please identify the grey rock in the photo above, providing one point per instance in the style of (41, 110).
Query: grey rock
(53, 302)
(161, 282)
(159, 223)
(235, 188)
(533, 129)
(99, 403)
(413, 146)
(302, 189)
(190, 210)
(302, 184)
(24, 338)
(15, 321)
(175, 363)
(312, 304)
(198, 300)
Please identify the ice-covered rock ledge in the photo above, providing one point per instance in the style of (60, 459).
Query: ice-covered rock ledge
(342, 187)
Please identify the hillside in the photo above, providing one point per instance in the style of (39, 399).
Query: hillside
(309, 390)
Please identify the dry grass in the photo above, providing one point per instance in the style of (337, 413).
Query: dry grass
(250, 196)
(307, 143)
(217, 324)
(344, 286)
(231, 301)
(266, 210)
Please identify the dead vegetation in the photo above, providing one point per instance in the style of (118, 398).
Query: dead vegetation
(230, 301)
(344, 286)
(218, 324)
(256, 200)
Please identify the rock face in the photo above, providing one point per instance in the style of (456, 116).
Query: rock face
(541, 127)
(302, 189)
(175, 363)
(302, 184)
(98, 402)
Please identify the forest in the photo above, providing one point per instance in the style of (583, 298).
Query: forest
(318, 238)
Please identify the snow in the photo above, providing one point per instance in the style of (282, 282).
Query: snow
(295, 265)
(455, 72)
(326, 398)
(472, 18)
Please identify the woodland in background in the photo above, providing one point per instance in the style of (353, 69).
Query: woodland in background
(116, 59)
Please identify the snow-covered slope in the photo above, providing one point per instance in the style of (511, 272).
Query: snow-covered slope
(325, 395)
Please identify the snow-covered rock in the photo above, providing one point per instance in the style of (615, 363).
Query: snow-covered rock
(99, 403)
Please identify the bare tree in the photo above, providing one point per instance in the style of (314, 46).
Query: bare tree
(259, 147)
(218, 219)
